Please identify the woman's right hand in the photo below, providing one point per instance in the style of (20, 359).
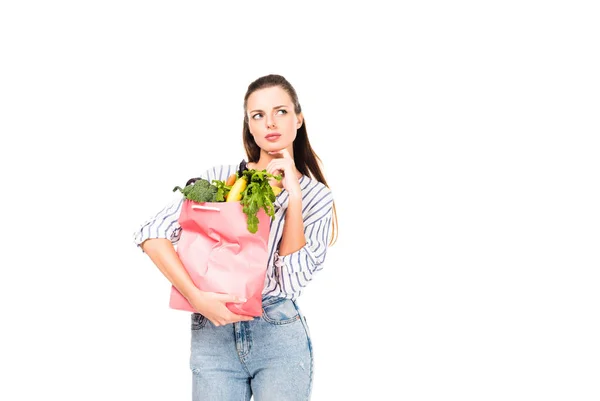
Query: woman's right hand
(212, 306)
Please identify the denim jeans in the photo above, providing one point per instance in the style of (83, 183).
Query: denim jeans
(269, 357)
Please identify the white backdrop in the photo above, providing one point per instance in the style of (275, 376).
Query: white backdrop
(459, 140)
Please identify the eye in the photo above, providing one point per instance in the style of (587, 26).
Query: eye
(254, 117)
(282, 110)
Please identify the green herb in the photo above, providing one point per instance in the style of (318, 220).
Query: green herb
(222, 190)
(258, 194)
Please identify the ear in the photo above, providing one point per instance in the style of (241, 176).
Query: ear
(299, 121)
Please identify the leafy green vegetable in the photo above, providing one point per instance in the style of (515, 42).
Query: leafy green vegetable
(222, 190)
(258, 194)
(200, 191)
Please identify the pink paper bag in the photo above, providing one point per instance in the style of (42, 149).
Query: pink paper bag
(221, 255)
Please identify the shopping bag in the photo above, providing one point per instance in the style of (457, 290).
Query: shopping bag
(221, 255)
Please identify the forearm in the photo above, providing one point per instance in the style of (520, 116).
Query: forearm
(162, 253)
(293, 237)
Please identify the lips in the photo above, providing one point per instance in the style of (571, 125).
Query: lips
(272, 137)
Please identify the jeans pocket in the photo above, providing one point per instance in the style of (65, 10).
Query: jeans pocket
(198, 321)
(282, 311)
(306, 326)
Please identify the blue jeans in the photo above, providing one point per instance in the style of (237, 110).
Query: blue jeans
(269, 357)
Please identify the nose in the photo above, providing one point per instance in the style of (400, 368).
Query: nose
(270, 123)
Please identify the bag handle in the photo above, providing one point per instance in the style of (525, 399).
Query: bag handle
(206, 208)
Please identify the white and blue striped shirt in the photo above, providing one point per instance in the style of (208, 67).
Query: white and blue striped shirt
(287, 275)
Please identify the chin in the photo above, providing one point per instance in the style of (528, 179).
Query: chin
(273, 147)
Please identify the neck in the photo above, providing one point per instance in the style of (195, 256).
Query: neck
(265, 158)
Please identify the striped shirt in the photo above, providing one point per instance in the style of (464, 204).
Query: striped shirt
(286, 276)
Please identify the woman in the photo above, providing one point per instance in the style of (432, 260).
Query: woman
(232, 356)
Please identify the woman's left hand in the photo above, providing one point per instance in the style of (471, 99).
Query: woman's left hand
(285, 166)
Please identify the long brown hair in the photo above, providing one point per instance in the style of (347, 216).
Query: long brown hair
(306, 160)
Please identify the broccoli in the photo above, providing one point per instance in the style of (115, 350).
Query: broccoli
(199, 191)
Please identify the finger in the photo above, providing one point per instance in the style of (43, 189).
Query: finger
(277, 162)
(286, 154)
(243, 318)
(273, 169)
(283, 164)
(232, 298)
(277, 165)
(238, 318)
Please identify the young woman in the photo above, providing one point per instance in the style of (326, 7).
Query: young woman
(235, 357)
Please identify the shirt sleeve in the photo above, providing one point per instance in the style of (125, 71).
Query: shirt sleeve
(162, 225)
(297, 269)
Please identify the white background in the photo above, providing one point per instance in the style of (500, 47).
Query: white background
(459, 139)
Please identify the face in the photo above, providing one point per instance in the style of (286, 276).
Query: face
(271, 119)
